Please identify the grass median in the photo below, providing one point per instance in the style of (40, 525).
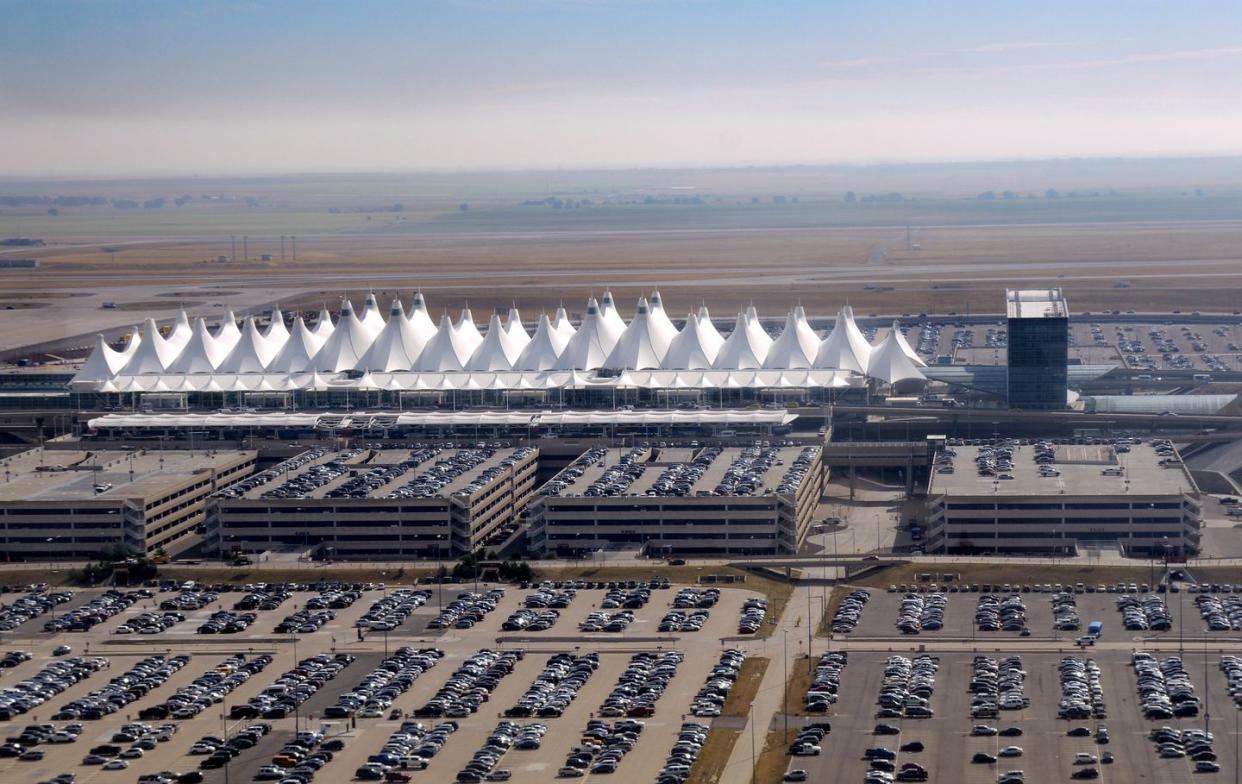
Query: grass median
(718, 748)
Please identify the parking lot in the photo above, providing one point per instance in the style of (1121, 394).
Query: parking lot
(338, 636)
(1047, 751)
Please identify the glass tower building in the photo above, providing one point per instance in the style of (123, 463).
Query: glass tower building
(1038, 348)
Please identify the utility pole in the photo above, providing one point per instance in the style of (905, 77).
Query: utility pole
(282, 247)
(232, 247)
(245, 248)
(294, 243)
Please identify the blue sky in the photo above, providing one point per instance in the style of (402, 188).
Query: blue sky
(275, 85)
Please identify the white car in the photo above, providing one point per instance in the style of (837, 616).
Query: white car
(1010, 751)
(116, 764)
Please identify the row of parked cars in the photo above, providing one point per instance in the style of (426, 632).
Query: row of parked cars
(907, 686)
(798, 470)
(921, 611)
(430, 482)
(690, 598)
(1143, 613)
(1172, 743)
(409, 748)
(471, 684)
(632, 597)
(547, 597)
(601, 747)
(680, 621)
(641, 683)
(53, 679)
(524, 619)
(822, 693)
(1065, 615)
(484, 763)
(686, 749)
(193, 598)
(1164, 686)
(850, 611)
(467, 609)
(150, 623)
(710, 698)
(293, 687)
(995, 614)
(266, 597)
(227, 622)
(302, 757)
(754, 610)
(606, 622)
(238, 489)
(679, 478)
(556, 686)
(1082, 695)
(141, 737)
(570, 475)
(141, 678)
(1220, 613)
(209, 688)
(379, 688)
(996, 686)
(366, 479)
(22, 744)
(96, 611)
(392, 609)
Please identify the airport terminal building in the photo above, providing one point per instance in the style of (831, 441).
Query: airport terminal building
(1060, 499)
(427, 502)
(78, 504)
(756, 500)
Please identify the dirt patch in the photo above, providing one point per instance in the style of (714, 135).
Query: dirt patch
(155, 305)
(184, 294)
(23, 305)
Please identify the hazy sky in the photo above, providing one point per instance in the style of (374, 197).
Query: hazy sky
(275, 85)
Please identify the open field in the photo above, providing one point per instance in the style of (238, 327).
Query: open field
(721, 236)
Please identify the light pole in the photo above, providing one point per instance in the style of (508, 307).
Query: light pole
(785, 688)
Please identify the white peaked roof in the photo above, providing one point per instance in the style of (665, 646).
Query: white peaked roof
(658, 316)
(227, 333)
(296, 354)
(710, 334)
(371, 317)
(447, 350)
(276, 331)
(690, 349)
(795, 348)
(643, 344)
(154, 353)
(397, 345)
(419, 318)
(844, 349)
(746, 347)
(889, 362)
(203, 354)
(324, 327)
(560, 323)
(543, 349)
(181, 331)
(499, 350)
(345, 346)
(102, 365)
(906, 348)
(608, 309)
(252, 354)
(516, 330)
(468, 333)
(135, 337)
(593, 341)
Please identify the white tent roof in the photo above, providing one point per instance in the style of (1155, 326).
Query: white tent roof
(201, 355)
(181, 331)
(276, 332)
(844, 348)
(468, 331)
(712, 337)
(593, 341)
(516, 330)
(543, 349)
(371, 317)
(154, 353)
(500, 349)
(102, 365)
(906, 348)
(131, 345)
(795, 348)
(746, 347)
(252, 354)
(560, 323)
(397, 345)
(658, 315)
(296, 354)
(644, 342)
(692, 349)
(419, 318)
(227, 333)
(889, 363)
(324, 327)
(346, 345)
(608, 309)
(450, 348)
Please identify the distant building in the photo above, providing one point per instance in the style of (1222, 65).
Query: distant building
(1038, 348)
